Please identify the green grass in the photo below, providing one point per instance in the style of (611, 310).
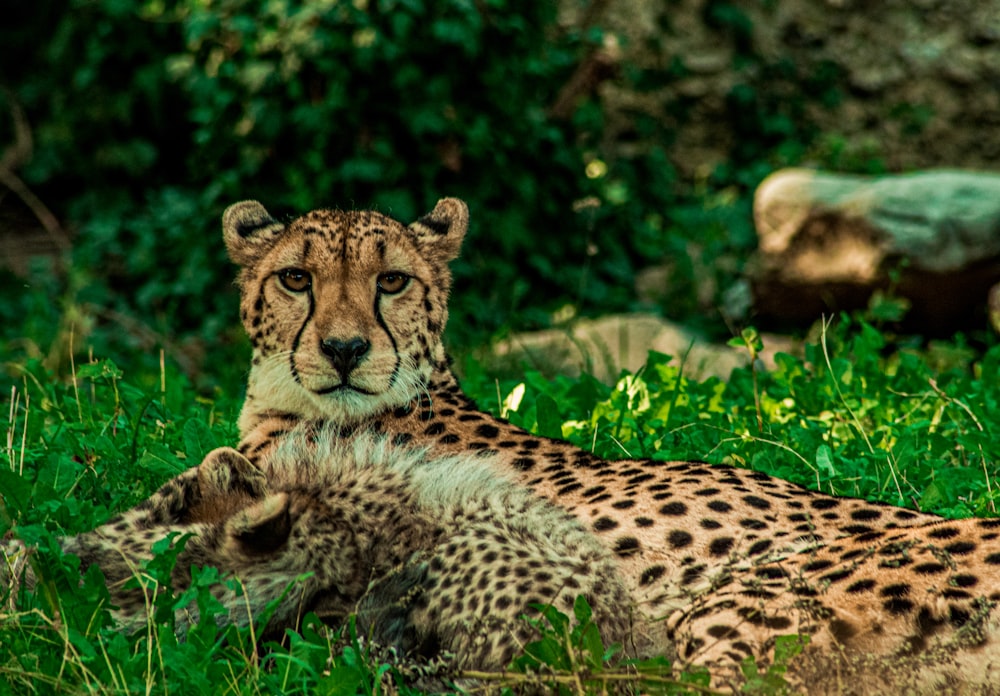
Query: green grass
(855, 416)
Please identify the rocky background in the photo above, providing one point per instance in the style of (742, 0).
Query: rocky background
(840, 86)
(909, 83)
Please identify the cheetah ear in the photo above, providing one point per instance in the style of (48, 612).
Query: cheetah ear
(249, 231)
(441, 231)
(261, 528)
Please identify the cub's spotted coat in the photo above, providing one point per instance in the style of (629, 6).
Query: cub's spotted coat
(410, 543)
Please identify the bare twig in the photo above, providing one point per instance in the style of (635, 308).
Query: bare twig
(17, 155)
(573, 679)
(600, 64)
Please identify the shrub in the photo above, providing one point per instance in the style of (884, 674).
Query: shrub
(148, 118)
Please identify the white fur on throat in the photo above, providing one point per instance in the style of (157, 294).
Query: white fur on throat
(271, 382)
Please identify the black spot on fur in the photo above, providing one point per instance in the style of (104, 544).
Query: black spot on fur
(434, 429)
(678, 538)
(852, 554)
(943, 533)
(690, 575)
(897, 590)
(721, 546)
(898, 606)
(813, 566)
(719, 631)
(958, 617)
(603, 524)
(837, 575)
(757, 502)
(952, 593)
(865, 514)
(856, 529)
(707, 492)
(758, 618)
(569, 487)
(869, 536)
(824, 503)
(487, 431)
(693, 646)
(626, 546)
(675, 508)
(652, 574)
(960, 548)
(719, 506)
(770, 573)
(860, 586)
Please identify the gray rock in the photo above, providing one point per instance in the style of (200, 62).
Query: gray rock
(603, 347)
(827, 241)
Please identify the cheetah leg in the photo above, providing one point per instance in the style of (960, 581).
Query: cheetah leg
(383, 614)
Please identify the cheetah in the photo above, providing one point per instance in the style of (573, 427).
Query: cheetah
(912, 610)
(345, 311)
(411, 544)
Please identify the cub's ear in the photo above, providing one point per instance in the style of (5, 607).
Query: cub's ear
(440, 232)
(261, 528)
(226, 472)
(249, 231)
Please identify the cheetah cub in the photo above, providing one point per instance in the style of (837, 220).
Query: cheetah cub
(433, 554)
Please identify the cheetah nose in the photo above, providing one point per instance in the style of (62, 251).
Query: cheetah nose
(345, 355)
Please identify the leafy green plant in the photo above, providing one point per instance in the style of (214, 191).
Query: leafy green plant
(851, 417)
(772, 680)
(854, 415)
(570, 657)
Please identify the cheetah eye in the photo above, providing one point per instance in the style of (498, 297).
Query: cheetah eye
(295, 279)
(392, 282)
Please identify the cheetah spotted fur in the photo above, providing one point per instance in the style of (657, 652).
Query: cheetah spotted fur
(345, 312)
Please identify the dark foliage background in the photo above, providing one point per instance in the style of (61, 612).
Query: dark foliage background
(148, 118)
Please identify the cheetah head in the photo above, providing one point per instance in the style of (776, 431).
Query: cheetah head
(344, 309)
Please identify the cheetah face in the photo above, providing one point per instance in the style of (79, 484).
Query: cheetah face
(344, 309)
